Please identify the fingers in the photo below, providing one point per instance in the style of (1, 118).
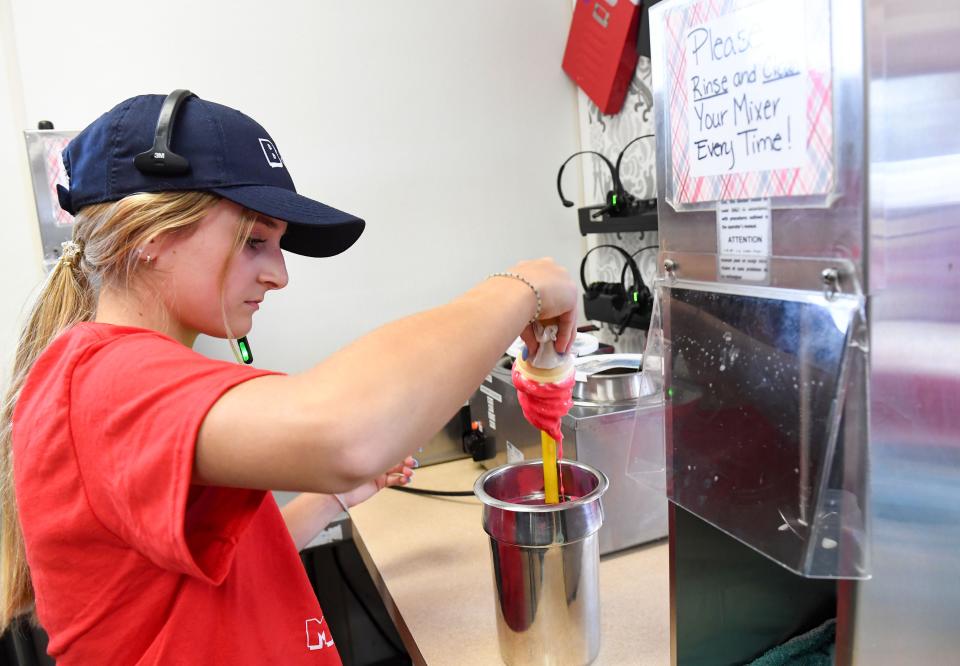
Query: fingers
(401, 473)
(399, 478)
(529, 339)
(567, 331)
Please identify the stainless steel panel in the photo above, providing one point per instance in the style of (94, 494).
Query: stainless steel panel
(910, 612)
(785, 272)
(634, 511)
(798, 230)
(446, 445)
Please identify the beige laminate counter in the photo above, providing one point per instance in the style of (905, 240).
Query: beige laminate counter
(430, 559)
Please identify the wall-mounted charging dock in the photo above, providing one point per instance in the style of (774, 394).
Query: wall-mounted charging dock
(640, 217)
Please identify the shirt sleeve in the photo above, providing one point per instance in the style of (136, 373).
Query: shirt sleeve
(137, 404)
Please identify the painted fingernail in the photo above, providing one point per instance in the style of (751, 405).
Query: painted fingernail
(416, 463)
(526, 353)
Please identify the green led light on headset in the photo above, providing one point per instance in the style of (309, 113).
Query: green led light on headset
(245, 352)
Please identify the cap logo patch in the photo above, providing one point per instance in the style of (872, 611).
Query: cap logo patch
(270, 152)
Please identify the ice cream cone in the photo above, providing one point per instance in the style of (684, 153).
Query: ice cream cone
(544, 375)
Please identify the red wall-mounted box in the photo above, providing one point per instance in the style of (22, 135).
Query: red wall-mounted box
(601, 52)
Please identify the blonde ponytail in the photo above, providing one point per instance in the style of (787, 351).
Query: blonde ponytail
(103, 251)
(65, 299)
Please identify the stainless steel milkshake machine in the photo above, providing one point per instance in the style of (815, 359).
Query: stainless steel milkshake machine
(809, 290)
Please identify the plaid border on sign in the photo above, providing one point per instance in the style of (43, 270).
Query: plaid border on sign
(53, 147)
(817, 177)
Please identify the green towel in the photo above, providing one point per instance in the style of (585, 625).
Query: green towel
(814, 648)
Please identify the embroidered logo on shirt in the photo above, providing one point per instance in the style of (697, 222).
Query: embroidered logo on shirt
(317, 635)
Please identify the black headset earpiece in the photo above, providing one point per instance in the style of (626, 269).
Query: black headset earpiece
(160, 160)
(596, 287)
(616, 194)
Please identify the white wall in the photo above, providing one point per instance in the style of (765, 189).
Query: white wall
(442, 124)
(20, 255)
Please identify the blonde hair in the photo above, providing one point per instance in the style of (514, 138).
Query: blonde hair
(108, 237)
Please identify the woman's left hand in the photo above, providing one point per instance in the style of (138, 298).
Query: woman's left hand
(398, 475)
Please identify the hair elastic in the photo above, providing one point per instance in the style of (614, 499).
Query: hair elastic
(70, 250)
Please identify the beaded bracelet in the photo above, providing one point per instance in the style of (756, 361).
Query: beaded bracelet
(536, 292)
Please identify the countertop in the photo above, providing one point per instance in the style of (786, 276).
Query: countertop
(430, 559)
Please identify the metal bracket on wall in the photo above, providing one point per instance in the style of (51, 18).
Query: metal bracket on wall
(642, 221)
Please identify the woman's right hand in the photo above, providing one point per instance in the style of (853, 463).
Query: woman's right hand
(558, 297)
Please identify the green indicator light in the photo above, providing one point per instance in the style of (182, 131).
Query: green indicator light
(670, 392)
(245, 350)
(614, 202)
(635, 296)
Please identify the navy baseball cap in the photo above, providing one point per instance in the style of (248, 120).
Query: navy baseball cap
(229, 154)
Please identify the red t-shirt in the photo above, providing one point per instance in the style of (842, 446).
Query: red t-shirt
(132, 564)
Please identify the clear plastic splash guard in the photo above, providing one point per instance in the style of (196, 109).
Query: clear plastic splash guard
(760, 387)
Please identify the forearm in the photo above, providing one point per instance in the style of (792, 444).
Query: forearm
(397, 386)
(308, 514)
(350, 418)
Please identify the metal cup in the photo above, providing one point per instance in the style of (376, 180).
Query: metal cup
(545, 562)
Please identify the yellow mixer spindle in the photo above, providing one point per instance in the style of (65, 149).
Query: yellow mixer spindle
(551, 492)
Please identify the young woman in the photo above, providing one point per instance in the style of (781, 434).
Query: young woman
(136, 521)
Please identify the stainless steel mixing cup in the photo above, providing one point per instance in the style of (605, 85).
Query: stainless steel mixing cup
(545, 562)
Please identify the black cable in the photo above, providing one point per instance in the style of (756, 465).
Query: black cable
(625, 321)
(438, 493)
(623, 273)
(649, 247)
(366, 609)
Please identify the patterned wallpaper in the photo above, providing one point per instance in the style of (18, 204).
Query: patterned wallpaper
(608, 135)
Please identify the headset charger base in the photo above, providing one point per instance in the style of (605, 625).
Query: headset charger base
(642, 216)
(607, 302)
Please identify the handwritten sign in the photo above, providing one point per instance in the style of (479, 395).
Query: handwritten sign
(750, 99)
(746, 93)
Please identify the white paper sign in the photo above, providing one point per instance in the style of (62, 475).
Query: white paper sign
(743, 240)
(743, 227)
(750, 269)
(746, 90)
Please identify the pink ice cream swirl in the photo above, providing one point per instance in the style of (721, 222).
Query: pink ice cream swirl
(544, 404)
